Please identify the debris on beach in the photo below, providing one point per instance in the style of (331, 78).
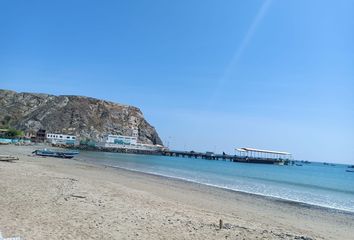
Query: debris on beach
(8, 158)
(12, 238)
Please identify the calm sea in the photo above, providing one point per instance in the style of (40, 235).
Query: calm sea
(315, 183)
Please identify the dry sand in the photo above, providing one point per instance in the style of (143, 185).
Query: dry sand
(49, 198)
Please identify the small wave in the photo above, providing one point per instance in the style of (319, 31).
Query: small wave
(301, 184)
(324, 205)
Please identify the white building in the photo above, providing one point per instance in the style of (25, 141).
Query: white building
(57, 138)
(127, 142)
(120, 139)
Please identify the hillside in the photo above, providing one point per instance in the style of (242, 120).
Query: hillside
(86, 117)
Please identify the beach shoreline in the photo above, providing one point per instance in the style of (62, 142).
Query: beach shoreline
(52, 198)
(254, 195)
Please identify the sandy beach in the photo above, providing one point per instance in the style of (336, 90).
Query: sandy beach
(49, 198)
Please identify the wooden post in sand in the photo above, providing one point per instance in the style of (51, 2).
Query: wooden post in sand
(220, 224)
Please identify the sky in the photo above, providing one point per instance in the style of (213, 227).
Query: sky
(209, 75)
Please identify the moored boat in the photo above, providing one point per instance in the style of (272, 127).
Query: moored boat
(54, 153)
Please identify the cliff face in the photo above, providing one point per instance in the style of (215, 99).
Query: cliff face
(85, 117)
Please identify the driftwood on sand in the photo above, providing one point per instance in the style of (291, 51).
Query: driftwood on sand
(8, 158)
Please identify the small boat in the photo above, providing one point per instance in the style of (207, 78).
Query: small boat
(349, 170)
(53, 153)
(352, 166)
(8, 158)
(300, 165)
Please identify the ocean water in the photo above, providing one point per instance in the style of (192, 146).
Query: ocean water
(315, 183)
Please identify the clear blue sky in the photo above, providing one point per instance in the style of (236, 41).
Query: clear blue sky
(209, 75)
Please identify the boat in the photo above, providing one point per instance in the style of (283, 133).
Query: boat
(352, 166)
(54, 153)
(8, 158)
(349, 170)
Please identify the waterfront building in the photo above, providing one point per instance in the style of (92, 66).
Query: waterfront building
(40, 135)
(127, 142)
(3, 133)
(120, 139)
(30, 135)
(61, 139)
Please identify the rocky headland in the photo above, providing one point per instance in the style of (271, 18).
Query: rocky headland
(86, 117)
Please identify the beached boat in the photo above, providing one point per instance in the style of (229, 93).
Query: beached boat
(54, 153)
(7, 158)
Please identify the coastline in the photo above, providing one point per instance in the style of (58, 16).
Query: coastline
(122, 204)
(254, 195)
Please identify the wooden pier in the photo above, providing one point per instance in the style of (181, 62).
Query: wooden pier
(247, 155)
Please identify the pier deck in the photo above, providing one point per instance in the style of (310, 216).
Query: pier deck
(224, 157)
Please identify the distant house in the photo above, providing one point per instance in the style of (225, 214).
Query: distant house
(40, 135)
(3, 133)
(61, 139)
(29, 135)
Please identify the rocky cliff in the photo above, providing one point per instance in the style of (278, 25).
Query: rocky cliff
(86, 117)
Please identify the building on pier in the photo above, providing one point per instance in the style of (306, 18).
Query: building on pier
(262, 154)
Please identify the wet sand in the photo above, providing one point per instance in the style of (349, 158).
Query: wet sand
(49, 198)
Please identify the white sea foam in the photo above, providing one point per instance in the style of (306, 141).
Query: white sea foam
(294, 199)
(318, 185)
